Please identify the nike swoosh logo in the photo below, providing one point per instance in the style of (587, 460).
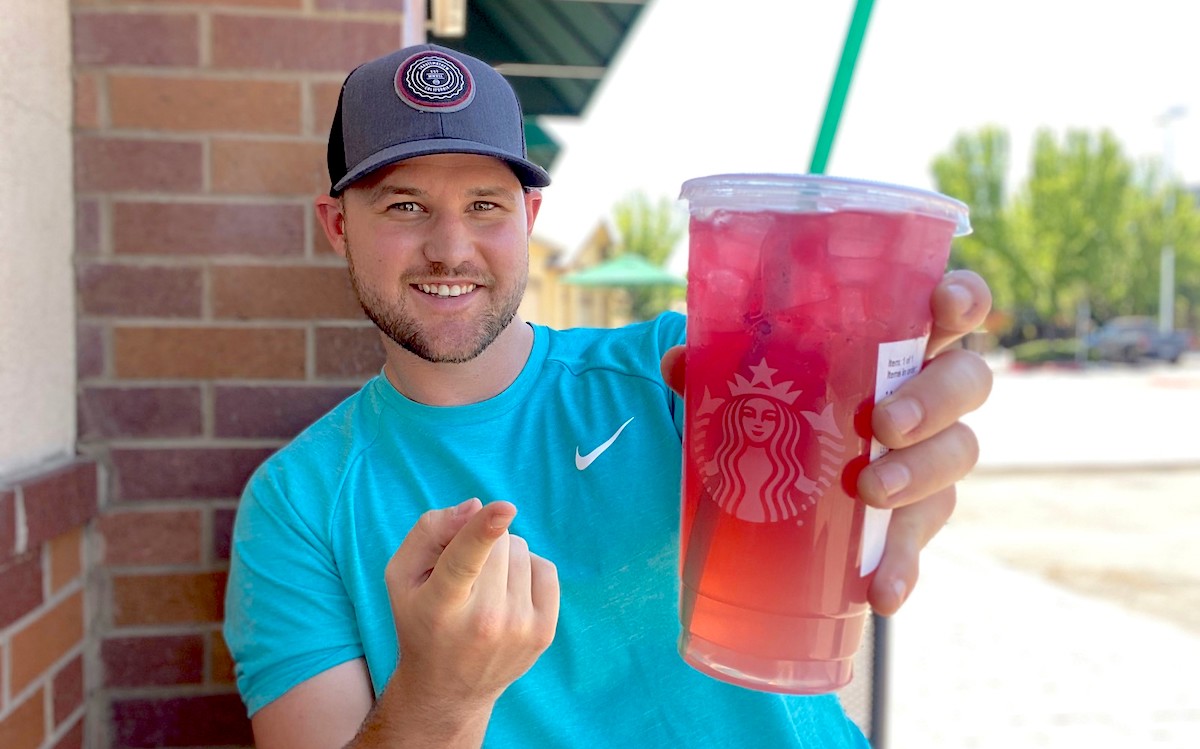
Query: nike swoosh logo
(583, 461)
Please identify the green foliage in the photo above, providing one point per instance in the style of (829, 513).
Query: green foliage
(1087, 226)
(650, 229)
(1047, 350)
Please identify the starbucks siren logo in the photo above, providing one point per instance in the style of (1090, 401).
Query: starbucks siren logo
(754, 473)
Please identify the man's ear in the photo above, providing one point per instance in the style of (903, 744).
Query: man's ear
(331, 214)
(533, 203)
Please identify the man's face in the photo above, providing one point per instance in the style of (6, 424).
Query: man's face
(438, 250)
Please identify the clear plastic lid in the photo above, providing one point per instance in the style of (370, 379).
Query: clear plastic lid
(813, 193)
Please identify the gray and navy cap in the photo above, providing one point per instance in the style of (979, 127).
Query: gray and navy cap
(424, 100)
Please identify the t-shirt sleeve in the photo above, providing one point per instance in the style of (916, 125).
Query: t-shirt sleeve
(287, 614)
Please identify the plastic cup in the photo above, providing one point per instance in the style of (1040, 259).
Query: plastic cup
(808, 301)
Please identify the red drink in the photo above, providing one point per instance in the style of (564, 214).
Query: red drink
(788, 308)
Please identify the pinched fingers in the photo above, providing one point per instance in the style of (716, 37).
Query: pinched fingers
(949, 387)
(470, 557)
(424, 544)
(910, 530)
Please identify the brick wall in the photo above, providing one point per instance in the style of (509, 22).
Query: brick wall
(44, 605)
(214, 322)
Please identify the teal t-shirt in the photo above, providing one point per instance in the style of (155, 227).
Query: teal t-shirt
(321, 518)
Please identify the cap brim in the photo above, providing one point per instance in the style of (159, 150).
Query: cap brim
(529, 173)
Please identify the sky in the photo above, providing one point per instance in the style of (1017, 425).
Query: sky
(713, 86)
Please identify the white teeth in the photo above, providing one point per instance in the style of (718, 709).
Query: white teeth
(444, 290)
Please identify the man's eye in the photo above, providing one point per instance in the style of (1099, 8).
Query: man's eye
(409, 207)
(483, 205)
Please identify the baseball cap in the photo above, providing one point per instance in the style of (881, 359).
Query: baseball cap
(426, 100)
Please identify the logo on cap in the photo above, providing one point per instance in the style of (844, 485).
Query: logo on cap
(434, 82)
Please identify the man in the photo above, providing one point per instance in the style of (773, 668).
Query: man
(384, 591)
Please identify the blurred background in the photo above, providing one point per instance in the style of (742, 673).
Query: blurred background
(171, 315)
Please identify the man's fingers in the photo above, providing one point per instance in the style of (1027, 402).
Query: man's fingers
(905, 476)
(673, 366)
(961, 302)
(520, 573)
(428, 538)
(910, 530)
(464, 558)
(950, 386)
(545, 593)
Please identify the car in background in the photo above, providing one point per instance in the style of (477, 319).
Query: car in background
(1133, 339)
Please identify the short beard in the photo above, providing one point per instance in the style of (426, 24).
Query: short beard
(407, 333)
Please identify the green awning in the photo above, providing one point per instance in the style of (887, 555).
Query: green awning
(554, 52)
(543, 148)
(624, 270)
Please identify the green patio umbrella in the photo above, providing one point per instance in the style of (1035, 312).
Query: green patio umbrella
(624, 270)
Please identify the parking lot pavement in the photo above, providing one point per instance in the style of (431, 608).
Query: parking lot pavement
(1058, 607)
(987, 657)
(1101, 416)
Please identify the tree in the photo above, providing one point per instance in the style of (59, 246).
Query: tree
(652, 230)
(975, 171)
(1086, 226)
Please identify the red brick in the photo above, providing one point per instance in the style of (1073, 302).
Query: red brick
(136, 39)
(87, 226)
(223, 520)
(61, 501)
(46, 639)
(348, 352)
(196, 3)
(87, 101)
(221, 667)
(323, 100)
(89, 351)
(269, 167)
(206, 720)
(375, 5)
(20, 587)
(151, 537)
(250, 353)
(109, 164)
(8, 524)
(108, 412)
(72, 739)
(66, 559)
(139, 291)
(153, 661)
(208, 229)
(256, 42)
(196, 104)
(185, 473)
(281, 412)
(25, 726)
(168, 599)
(68, 690)
(284, 292)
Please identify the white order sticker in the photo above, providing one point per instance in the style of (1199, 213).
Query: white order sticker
(898, 361)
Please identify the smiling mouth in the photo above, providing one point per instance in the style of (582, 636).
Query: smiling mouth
(445, 290)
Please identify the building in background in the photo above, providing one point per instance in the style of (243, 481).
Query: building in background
(172, 315)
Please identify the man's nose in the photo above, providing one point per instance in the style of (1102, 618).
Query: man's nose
(449, 242)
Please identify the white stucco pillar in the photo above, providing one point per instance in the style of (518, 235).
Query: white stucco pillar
(37, 307)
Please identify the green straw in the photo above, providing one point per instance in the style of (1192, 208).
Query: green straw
(841, 85)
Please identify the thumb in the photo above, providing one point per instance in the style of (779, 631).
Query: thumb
(459, 566)
(672, 367)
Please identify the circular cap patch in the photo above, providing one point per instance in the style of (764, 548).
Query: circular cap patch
(434, 82)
